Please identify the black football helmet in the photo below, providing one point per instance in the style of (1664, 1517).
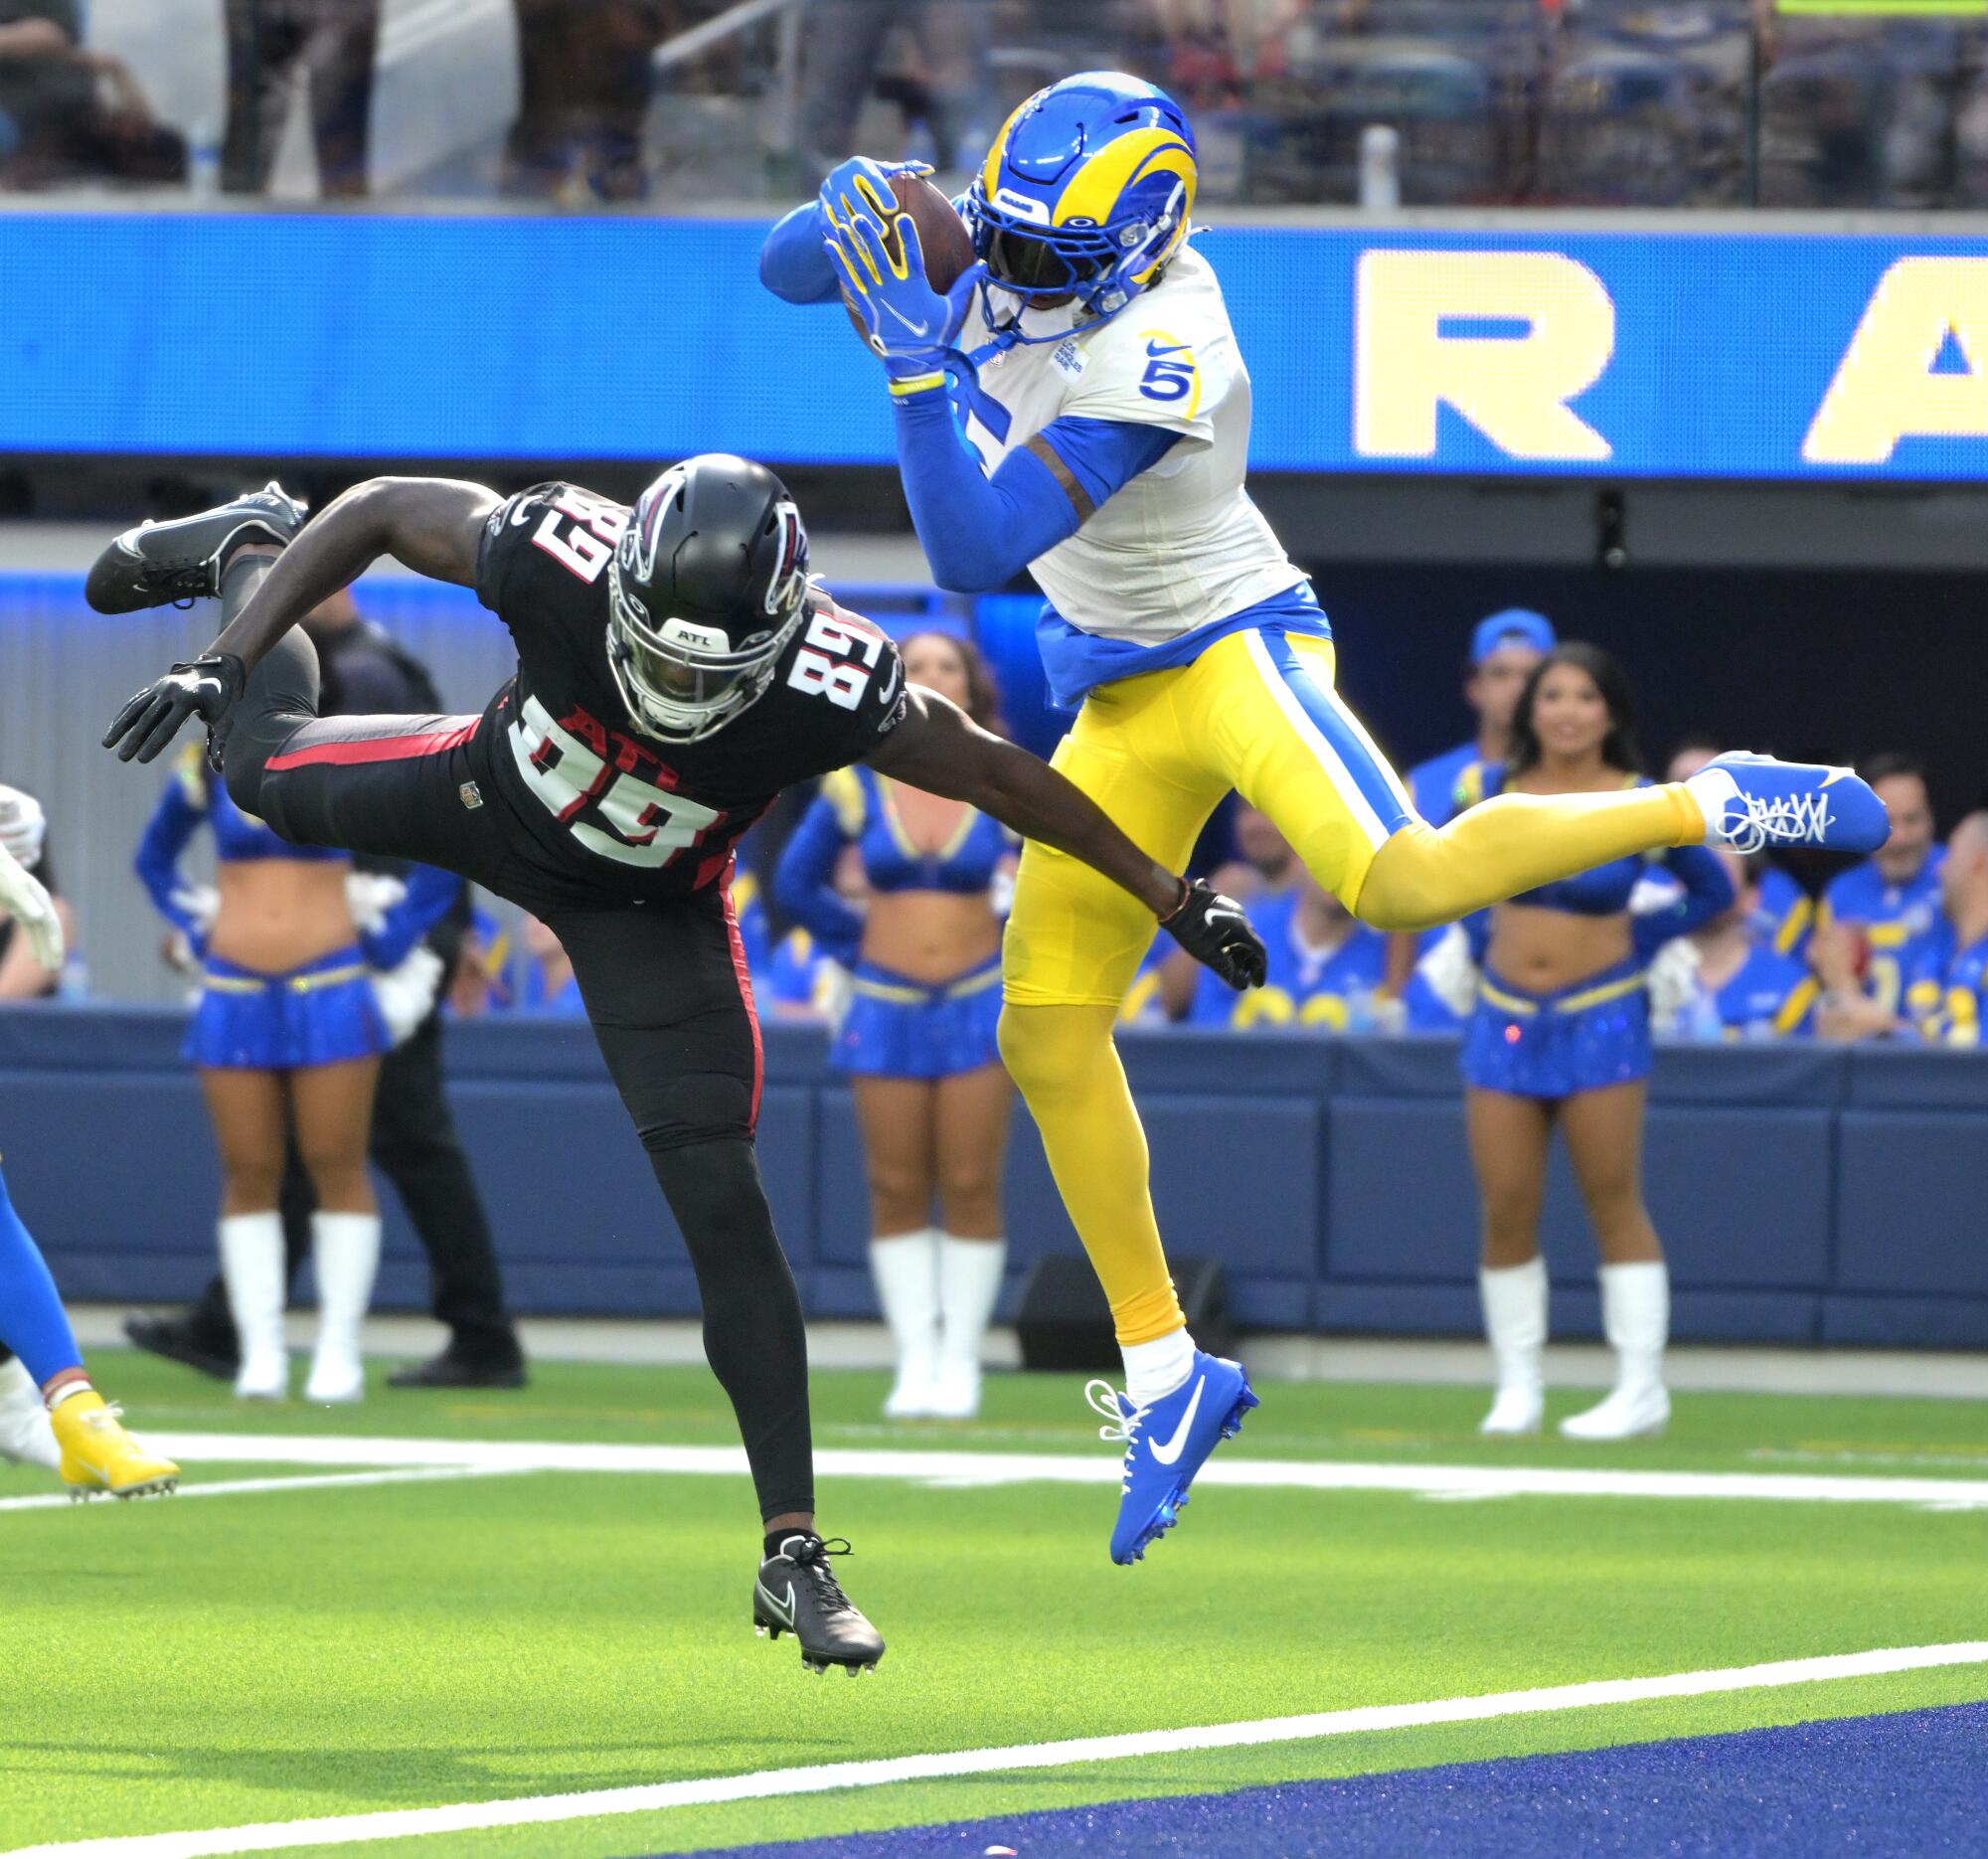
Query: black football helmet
(706, 589)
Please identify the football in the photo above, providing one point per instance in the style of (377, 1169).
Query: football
(943, 236)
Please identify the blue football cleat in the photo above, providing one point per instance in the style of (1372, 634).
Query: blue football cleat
(1752, 802)
(1167, 1443)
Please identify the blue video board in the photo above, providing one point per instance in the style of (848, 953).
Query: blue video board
(1676, 354)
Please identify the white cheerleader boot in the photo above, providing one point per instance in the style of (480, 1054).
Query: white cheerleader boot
(345, 1252)
(252, 1268)
(1515, 1325)
(1636, 1318)
(904, 1266)
(969, 1281)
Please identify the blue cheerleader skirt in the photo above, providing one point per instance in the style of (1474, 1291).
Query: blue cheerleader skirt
(321, 1014)
(899, 1028)
(1587, 1037)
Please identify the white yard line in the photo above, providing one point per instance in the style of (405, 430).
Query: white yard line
(1001, 1468)
(233, 1488)
(476, 1816)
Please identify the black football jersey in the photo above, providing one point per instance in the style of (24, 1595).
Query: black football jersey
(604, 805)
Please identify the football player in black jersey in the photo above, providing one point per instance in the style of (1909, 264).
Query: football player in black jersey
(676, 669)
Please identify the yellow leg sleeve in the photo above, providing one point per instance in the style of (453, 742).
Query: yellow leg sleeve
(1067, 1068)
(1425, 875)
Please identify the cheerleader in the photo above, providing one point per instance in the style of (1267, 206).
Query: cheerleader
(1561, 1035)
(931, 1096)
(286, 1037)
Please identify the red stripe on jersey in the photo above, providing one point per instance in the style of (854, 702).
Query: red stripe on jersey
(744, 975)
(374, 749)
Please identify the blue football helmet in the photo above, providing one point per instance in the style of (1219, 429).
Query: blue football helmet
(1084, 195)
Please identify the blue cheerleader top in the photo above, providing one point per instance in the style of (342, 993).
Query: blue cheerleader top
(858, 806)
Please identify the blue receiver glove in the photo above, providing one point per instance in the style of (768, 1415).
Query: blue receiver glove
(911, 327)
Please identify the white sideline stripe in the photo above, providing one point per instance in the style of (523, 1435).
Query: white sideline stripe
(401, 1824)
(315, 1482)
(999, 1469)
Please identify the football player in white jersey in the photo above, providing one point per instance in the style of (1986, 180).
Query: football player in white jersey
(1076, 405)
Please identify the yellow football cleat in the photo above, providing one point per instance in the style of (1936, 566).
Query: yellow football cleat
(97, 1455)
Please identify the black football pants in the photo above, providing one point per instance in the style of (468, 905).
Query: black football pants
(665, 987)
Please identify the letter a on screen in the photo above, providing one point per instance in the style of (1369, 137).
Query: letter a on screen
(1887, 388)
(1513, 389)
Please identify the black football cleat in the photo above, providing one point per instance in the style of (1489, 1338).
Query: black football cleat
(459, 1367)
(178, 561)
(797, 1594)
(180, 1339)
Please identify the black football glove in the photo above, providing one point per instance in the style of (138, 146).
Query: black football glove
(208, 688)
(1215, 930)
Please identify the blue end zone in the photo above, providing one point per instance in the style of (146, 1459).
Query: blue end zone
(1908, 1784)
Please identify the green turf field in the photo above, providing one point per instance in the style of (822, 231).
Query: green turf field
(340, 1650)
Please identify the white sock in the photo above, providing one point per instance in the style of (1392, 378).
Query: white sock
(969, 1281)
(904, 1266)
(345, 1254)
(1157, 1368)
(1714, 789)
(1515, 1322)
(252, 1268)
(1637, 1319)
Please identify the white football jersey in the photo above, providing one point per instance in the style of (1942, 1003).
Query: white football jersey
(1181, 545)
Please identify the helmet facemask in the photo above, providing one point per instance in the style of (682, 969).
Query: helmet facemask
(1098, 268)
(683, 679)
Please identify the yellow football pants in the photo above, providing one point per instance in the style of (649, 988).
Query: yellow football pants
(1257, 713)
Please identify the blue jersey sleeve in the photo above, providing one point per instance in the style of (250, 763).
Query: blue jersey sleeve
(178, 816)
(804, 880)
(793, 264)
(1706, 892)
(979, 532)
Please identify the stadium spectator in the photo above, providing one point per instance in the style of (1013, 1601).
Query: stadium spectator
(544, 983)
(1880, 922)
(1504, 648)
(1745, 986)
(24, 834)
(70, 113)
(941, 89)
(1561, 1035)
(933, 1099)
(1265, 866)
(583, 89)
(1325, 969)
(1955, 988)
(412, 1138)
(331, 44)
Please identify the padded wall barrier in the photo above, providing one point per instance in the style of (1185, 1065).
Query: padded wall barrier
(1804, 1194)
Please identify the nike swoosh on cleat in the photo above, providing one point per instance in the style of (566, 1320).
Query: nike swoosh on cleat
(1167, 1451)
(783, 1613)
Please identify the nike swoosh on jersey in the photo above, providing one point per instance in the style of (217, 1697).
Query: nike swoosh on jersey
(781, 1612)
(1167, 1451)
(893, 683)
(1162, 348)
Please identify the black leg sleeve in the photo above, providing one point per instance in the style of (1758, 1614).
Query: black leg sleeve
(280, 698)
(417, 1150)
(752, 1331)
